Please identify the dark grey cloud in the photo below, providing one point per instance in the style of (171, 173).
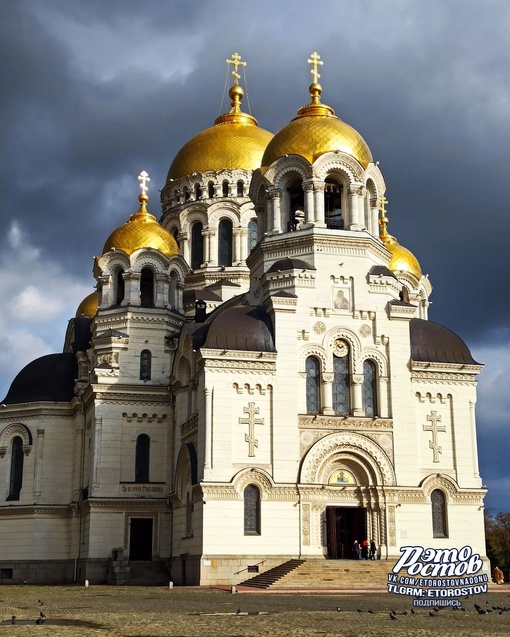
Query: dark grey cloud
(95, 91)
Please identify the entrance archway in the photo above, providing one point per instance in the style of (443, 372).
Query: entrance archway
(344, 525)
(140, 539)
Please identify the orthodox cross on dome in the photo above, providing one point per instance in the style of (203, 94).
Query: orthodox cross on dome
(315, 61)
(383, 201)
(236, 62)
(143, 178)
(251, 421)
(434, 419)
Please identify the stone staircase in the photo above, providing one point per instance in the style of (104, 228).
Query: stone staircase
(153, 573)
(324, 574)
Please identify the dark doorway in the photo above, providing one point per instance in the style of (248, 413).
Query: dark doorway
(140, 539)
(344, 525)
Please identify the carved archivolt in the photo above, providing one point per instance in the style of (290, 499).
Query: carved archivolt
(258, 477)
(313, 350)
(223, 210)
(11, 431)
(193, 216)
(372, 173)
(439, 481)
(343, 334)
(347, 443)
(333, 162)
(277, 173)
(153, 259)
(113, 262)
(378, 358)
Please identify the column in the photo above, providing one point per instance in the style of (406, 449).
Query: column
(473, 438)
(183, 241)
(206, 234)
(96, 460)
(357, 395)
(132, 288)
(374, 217)
(276, 198)
(318, 196)
(309, 207)
(327, 394)
(355, 194)
(382, 397)
(240, 248)
(38, 463)
(162, 294)
(207, 431)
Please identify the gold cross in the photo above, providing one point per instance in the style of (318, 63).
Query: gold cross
(251, 421)
(383, 201)
(434, 419)
(143, 177)
(236, 62)
(315, 61)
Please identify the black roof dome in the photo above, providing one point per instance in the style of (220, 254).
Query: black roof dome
(49, 378)
(433, 343)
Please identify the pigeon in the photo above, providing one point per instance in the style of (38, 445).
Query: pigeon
(338, 609)
(39, 621)
(431, 613)
(40, 602)
(13, 619)
(359, 610)
(238, 611)
(413, 612)
(42, 615)
(392, 616)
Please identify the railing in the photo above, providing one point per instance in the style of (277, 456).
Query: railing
(250, 566)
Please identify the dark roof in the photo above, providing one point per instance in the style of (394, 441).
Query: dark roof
(200, 295)
(290, 264)
(382, 270)
(112, 334)
(242, 327)
(49, 378)
(285, 293)
(433, 343)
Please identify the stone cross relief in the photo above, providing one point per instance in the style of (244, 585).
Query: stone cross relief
(435, 428)
(251, 421)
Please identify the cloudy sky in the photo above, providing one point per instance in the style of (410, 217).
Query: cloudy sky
(93, 92)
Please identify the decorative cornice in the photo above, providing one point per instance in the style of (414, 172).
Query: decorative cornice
(13, 510)
(308, 421)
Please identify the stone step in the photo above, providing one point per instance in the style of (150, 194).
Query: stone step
(153, 573)
(324, 574)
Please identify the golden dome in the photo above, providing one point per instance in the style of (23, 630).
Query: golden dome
(402, 259)
(141, 231)
(235, 141)
(317, 130)
(88, 307)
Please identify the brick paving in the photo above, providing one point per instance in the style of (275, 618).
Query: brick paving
(193, 612)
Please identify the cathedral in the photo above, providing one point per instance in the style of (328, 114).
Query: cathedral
(254, 378)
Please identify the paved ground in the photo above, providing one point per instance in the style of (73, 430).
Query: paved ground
(194, 612)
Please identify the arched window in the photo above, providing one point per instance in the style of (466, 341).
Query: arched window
(296, 198)
(187, 194)
(251, 510)
(240, 188)
(142, 459)
(197, 246)
(312, 385)
(252, 235)
(147, 288)
(439, 520)
(145, 364)
(173, 297)
(210, 189)
(404, 294)
(225, 242)
(333, 204)
(197, 192)
(369, 390)
(121, 290)
(175, 234)
(16, 477)
(341, 385)
(224, 188)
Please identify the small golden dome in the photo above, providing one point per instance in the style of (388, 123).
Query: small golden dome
(317, 130)
(402, 259)
(141, 231)
(235, 141)
(88, 307)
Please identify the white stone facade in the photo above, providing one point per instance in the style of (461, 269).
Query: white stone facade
(235, 439)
